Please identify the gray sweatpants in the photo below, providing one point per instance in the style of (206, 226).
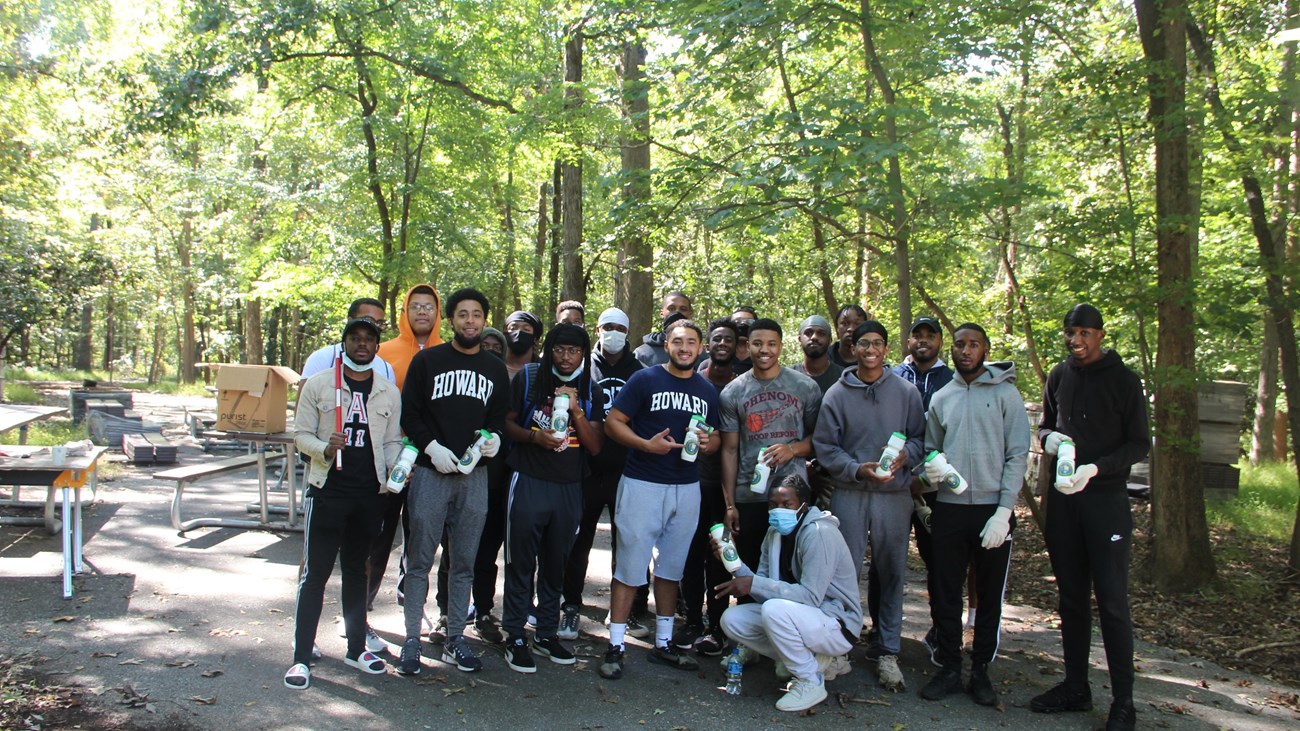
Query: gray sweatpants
(883, 520)
(435, 500)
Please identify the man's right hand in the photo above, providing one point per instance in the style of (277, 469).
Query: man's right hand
(1053, 442)
(441, 457)
(338, 440)
(660, 443)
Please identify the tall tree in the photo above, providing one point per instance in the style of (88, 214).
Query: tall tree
(634, 289)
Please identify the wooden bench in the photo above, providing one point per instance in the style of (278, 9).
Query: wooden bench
(212, 468)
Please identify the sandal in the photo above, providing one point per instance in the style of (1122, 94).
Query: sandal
(298, 677)
(366, 662)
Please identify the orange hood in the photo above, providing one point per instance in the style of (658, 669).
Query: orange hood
(400, 350)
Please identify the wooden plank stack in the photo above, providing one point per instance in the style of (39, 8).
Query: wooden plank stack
(77, 399)
(1222, 408)
(148, 449)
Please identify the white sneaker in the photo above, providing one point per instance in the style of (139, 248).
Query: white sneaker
(832, 667)
(891, 678)
(374, 643)
(803, 694)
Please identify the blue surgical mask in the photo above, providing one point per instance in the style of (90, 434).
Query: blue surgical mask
(784, 520)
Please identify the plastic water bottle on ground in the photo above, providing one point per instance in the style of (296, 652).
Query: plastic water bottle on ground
(734, 670)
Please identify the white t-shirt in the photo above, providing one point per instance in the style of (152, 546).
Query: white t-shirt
(324, 358)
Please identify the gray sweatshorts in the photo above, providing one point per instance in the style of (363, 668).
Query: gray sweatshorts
(654, 520)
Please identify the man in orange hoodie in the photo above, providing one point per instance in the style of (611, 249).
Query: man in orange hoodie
(417, 329)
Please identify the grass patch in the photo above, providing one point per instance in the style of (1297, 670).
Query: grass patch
(173, 388)
(1265, 506)
(47, 433)
(21, 393)
(40, 374)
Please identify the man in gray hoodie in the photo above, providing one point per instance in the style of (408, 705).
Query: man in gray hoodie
(978, 422)
(859, 414)
(806, 612)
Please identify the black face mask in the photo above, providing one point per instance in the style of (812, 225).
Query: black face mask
(520, 341)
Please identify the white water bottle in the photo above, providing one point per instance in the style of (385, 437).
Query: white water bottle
(887, 457)
(952, 479)
(730, 559)
(401, 471)
(762, 473)
(560, 416)
(1065, 463)
(691, 442)
(470, 458)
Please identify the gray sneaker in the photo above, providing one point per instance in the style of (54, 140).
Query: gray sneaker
(569, 619)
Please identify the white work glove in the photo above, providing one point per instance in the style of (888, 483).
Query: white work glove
(491, 446)
(1081, 477)
(1053, 442)
(443, 460)
(933, 473)
(996, 530)
(923, 512)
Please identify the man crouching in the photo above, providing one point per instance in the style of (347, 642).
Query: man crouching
(804, 596)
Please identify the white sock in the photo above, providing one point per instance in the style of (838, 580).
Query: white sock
(663, 630)
(617, 633)
(970, 617)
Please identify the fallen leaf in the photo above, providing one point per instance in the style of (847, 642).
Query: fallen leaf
(204, 701)
(447, 692)
(181, 664)
(132, 661)
(212, 673)
(66, 618)
(105, 654)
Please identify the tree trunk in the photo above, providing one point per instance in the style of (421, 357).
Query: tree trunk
(571, 174)
(184, 243)
(557, 223)
(1261, 436)
(543, 236)
(81, 350)
(634, 280)
(253, 352)
(1181, 559)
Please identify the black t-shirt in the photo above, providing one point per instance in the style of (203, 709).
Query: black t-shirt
(539, 462)
(358, 474)
(711, 464)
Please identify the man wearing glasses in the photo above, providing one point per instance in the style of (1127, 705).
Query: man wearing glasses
(873, 500)
(363, 308)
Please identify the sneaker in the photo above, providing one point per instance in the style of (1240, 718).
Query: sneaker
(438, 634)
(874, 650)
(931, 644)
(981, 688)
(887, 672)
(1062, 698)
(569, 619)
(636, 629)
(551, 647)
(673, 658)
(488, 629)
(1123, 717)
(315, 652)
(946, 682)
(374, 643)
(456, 652)
(298, 677)
(408, 663)
(367, 662)
(711, 644)
(612, 667)
(687, 636)
(832, 667)
(747, 657)
(518, 657)
(803, 694)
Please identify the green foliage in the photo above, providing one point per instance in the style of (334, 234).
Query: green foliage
(47, 433)
(21, 393)
(1265, 505)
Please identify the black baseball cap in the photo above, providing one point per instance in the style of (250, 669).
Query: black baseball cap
(929, 322)
(365, 322)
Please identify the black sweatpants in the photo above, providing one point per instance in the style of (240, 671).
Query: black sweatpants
(393, 513)
(753, 529)
(956, 535)
(703, 570)
(1089, 538)
(599, 492)
(542, 520)
(339, 527)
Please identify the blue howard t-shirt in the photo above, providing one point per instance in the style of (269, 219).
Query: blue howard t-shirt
(654, 400)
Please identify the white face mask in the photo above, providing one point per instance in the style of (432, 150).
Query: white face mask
(612, 341)
(358, 368)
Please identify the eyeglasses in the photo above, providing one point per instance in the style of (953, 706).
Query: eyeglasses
(421, 307)
(871, 344)
(566, 351)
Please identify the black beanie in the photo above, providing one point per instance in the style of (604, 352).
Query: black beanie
(1084, 315)
(871, 326)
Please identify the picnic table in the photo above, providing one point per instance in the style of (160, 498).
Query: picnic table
(26, 465)
(20, 416)
(263, 449)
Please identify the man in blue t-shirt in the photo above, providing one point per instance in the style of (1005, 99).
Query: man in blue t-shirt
(659, 495)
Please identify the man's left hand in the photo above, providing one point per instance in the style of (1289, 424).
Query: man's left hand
(491, 446)
(996, 530)
(778, 454)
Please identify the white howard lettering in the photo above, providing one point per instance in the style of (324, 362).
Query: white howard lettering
(464, 383)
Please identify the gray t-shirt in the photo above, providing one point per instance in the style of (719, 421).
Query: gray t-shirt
(777, 411)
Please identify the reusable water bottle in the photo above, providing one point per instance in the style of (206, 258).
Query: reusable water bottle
(892, 448)
(691, 443)
(401, 471)
(735, 668)
(1065, 465)
(470, 458)
(560, 416)
(762, 473)
(952, 479)
(730, 559)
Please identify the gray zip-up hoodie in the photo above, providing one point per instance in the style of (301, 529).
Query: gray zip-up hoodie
(857, 420)
(822, 566)
(982, 428)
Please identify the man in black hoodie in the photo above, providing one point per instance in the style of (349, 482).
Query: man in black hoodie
(651, 352)
(1093, 400)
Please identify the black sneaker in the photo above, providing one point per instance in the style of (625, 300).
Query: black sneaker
(673, 658)
(687, 636)
(1062, 698)
(612, 667)
(438, 634)
(875, 650)
(409, 661)
(551, 647)
(981, 688)
(636, 629)
(518, 657)
(456, 652)
(1123, 717)
(712, 644)
(488, 629)
(946, 682)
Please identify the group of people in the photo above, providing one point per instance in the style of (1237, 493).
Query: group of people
(808, 469)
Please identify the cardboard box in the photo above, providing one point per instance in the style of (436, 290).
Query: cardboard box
(253, 398)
